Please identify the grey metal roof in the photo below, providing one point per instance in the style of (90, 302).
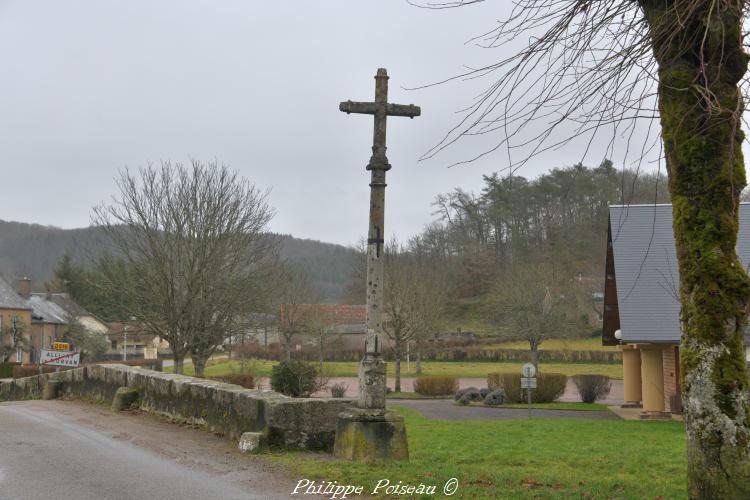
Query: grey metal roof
(646, 270)
(10, 299)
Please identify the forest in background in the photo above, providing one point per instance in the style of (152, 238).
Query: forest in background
(34, 251)
(548, 232)
(482, 247)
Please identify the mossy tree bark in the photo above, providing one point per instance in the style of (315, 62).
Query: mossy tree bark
(700, 67)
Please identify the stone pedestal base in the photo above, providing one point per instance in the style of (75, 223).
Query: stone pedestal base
(370, 436)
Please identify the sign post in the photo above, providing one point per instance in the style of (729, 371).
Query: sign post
(528, 381)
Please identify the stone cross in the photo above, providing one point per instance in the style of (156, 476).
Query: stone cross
(372, 368)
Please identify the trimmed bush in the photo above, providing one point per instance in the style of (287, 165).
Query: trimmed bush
(550, 386)
(469, 396)
(494, 398)
(245, 380)
(483, 392)
(435, 386)
(461, 392)
(339, 390)
(592, 387)
(294, 378)
(510, 383)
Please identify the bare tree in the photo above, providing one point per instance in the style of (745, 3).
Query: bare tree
(412, 302)
(191, 253)
(527, 303)
(295, 292)
(12, 339)
(637, 69)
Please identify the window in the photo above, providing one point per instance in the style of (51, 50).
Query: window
(114, 344)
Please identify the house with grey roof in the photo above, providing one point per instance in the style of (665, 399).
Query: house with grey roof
(15, 325)
(641, 302)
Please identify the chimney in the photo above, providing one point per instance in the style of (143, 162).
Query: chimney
(24, 287)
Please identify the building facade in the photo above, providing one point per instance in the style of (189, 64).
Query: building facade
(642, 306)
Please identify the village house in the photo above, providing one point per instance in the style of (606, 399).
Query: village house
(641, 303)
(344, 324)
(133, 339)
(15, 314)
(43, 317)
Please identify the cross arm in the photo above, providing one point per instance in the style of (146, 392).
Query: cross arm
(371, 108)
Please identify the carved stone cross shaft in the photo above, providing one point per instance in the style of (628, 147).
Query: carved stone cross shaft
(378, 166)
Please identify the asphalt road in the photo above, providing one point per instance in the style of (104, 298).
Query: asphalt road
(57, 449)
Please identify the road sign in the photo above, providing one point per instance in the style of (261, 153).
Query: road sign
(528, 370)
(60, 358)
(60, 346)
(528, 383)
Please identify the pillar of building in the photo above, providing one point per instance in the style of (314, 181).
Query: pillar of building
(631, 376)
(652, 382)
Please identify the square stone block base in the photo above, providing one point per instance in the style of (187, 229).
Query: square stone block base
(370, 436)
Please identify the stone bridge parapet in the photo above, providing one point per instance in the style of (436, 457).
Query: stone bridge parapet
(231, 410)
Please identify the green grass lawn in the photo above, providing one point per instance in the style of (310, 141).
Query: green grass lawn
(589, 344)
(447, 368)
(539, 458)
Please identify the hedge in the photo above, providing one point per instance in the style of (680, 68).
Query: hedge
(550, 386)
(6, 369)
(435, 386)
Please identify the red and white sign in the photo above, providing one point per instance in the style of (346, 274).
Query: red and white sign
(60, 358)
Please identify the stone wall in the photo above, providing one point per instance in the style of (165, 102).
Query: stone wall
(231, 410)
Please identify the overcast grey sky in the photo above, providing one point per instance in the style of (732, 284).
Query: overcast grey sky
(91, 86)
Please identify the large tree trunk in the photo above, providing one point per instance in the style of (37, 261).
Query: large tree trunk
(199, 365)
(397, 369)
(287, 349)
(535, 354)
(179, 362)
(701, 106)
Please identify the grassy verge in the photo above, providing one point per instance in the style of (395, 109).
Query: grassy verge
(539, 458)
(446, 368)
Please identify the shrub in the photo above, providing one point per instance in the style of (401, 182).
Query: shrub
(435, 386)
(592, 387)
(294, 378)
(483, 392)
(510, 383)
(6, 369)
(496, 397)
(550, 386)
(470, 395)
(246, 380)
(461, 392)
(339, 390)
